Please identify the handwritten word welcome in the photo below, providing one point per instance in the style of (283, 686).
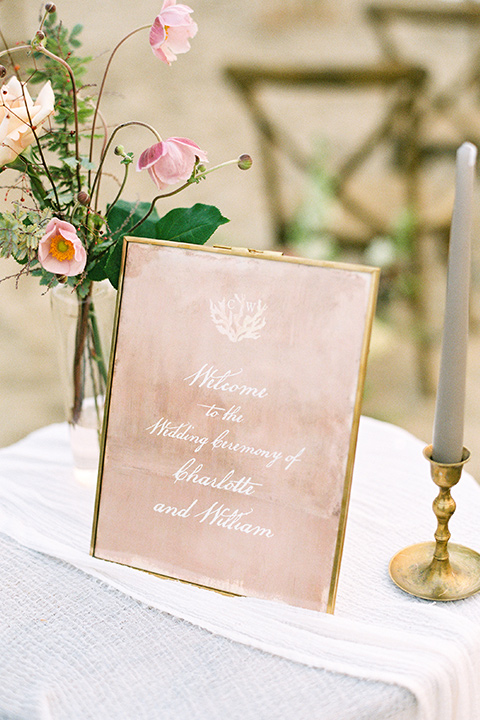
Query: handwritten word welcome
(213, 379)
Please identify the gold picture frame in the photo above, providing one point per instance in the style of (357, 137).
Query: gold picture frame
(231, 418)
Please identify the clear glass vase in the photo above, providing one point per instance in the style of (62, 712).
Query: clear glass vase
(83, 330)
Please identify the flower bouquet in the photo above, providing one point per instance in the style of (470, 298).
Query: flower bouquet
(57, 226)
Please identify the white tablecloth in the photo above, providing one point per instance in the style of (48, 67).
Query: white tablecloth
(83, 638)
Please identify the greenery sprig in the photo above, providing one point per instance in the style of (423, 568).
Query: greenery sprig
(57, 229)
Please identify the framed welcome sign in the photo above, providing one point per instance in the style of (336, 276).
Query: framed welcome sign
(231, 418)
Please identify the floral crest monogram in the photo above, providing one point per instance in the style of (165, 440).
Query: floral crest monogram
(238, 318)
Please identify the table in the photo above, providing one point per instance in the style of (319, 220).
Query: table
(83, 638)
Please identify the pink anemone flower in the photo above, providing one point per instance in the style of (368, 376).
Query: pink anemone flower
(171, 31)
(170, 161)
(60, 250)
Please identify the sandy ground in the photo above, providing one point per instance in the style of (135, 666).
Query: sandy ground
(192, 99)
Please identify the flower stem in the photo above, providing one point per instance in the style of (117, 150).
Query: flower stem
(96, 362)
(190, 181)
(80, 340)
(102, 86)
(96, 183)
(97, 350)
(201, 175)
(118, 195)
(87, 340)
(40, 149)
(67, 67)
(105, 128)
(9, 51)
(154, 201)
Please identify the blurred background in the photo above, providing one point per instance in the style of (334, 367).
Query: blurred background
(352, 113)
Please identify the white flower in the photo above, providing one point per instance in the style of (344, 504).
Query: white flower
(20, 116)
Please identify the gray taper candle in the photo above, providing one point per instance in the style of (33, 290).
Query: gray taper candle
(450, 405)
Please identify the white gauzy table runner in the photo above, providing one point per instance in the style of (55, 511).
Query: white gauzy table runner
(377, 633)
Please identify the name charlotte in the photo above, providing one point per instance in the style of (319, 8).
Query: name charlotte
(188, 473)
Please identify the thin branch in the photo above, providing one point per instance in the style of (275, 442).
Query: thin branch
(67, 67)
(40, 150)
(9, 51)
(105, 127)
(80, 339)
(191, 181)
(154, 201)
(102, 86)
(14, 67)
(118, 195)
(96, 182)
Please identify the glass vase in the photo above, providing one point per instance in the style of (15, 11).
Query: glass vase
(83, 330)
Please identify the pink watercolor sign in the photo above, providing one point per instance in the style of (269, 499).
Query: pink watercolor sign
(232, 417)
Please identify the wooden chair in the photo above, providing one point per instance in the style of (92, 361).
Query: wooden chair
(396, 131)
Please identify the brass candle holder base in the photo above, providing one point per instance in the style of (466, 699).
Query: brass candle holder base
(418, 572)
(437, 570)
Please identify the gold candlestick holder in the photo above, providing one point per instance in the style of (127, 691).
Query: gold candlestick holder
(439, 570)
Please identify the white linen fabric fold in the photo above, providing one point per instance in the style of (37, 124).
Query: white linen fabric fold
(377, 633)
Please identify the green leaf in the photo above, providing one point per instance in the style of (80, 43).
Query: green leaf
(23, 165)
(64, 198)
(18, 164)
(122, 217)
(77, 29)
(72, 162)
(37, 188)
(85, 163)
(190, 225)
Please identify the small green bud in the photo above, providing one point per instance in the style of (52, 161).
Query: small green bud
(245, 162)
(127, 158)
(201, 168)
